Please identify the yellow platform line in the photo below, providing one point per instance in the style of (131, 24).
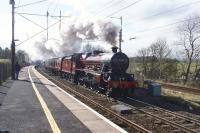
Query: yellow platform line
(46, 110)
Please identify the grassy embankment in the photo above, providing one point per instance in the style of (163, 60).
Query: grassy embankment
(4, 61)
(136, 69)
(193, 100)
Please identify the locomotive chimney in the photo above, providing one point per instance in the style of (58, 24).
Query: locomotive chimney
(87, 55)
(114, 49)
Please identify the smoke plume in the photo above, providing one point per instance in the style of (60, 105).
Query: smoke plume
(109, 32)
(43, 50)
(74, 35)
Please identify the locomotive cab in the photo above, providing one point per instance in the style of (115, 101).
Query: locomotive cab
(106, 71)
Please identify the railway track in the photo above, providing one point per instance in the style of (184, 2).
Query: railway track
(186, 123)
(152, 118)
(180, 88)
(120, 120)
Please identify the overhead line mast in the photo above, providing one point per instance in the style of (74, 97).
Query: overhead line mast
(12, 2)
(47, 25)
(60, 21)
(120, 36)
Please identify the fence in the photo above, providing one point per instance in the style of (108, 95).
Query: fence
(5, 71)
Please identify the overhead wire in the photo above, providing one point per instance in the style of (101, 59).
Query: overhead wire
(158, 27)
(107, 7)
(34, 14)
(31, 3)
(31, 21)
(123, 8)
(18, 4)
(37, 33)
(163, 26)
(49, 5)
(57, 1)
(164, 12)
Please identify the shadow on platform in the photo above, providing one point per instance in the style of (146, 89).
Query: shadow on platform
(2, 92)
(5, 86)
(4, 132)
(36, 83)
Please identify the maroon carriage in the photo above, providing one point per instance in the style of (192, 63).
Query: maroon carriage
(53, 65)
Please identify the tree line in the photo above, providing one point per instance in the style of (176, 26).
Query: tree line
(21, 56)
(159, 62)
(5, 53)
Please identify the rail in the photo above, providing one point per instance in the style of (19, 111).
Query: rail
(171, 119)
(180, 88)
(108, 111)
(153, 111)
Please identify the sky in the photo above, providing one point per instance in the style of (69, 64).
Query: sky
(144, 20)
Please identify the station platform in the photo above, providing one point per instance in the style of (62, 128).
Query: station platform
(33, 104)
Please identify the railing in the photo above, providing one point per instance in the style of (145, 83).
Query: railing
(5, 71)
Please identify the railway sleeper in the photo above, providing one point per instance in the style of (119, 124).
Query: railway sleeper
(169, 117)
(183, 122)
(197, 130)
(165, 125)
(177, 131)
(134, 112)
(141, 115)
(189, 125)
(158, 122)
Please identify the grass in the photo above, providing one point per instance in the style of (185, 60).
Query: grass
(193, 100)
(4, 61)
(133, 67)
(136, 69)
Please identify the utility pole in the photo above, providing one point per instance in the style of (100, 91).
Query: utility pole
(47, 24)
(120, 35)
(12, 2)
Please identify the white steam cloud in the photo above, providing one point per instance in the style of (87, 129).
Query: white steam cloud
(72, 38)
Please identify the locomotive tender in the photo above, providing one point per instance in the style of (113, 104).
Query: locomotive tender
(105, 72)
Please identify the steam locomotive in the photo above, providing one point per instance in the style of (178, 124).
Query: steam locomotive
(104, 72)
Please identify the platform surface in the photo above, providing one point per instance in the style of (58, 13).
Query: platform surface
(33, 104)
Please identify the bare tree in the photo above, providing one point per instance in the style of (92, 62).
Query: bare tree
(190, 40)
(144, 54)
(161, 51)
(22, 57)
(1, 52)
(197, 65)
(153, 58)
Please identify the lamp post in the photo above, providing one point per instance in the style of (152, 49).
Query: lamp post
(120, 33)
(12, 2)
